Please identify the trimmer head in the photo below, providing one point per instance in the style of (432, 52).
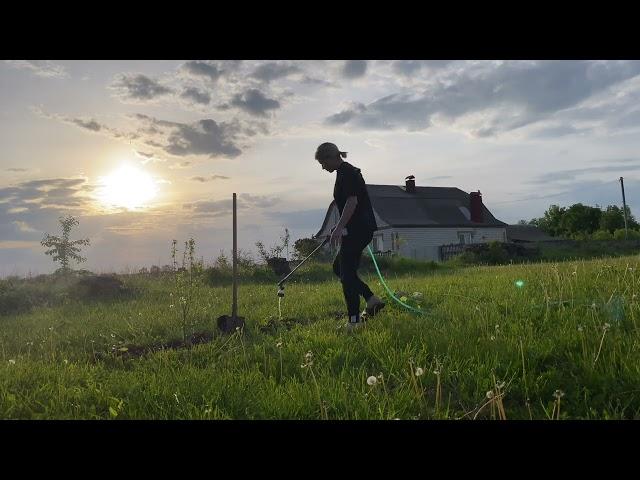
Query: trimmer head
(281, 291)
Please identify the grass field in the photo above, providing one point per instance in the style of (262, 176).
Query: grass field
(534, 341)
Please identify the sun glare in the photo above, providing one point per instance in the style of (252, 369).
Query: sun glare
(127, 187)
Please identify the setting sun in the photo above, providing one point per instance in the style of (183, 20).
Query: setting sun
(127, 187)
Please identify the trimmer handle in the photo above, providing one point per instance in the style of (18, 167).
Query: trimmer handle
(281, 282)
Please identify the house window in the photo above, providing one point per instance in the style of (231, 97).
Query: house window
(464, 237)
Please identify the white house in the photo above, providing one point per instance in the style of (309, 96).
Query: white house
(415, 221)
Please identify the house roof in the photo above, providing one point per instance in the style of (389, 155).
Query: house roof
(427, 207)
(528, 233)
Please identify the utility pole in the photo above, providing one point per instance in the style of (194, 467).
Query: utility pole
(624, 206)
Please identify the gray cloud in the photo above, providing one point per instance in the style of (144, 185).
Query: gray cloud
(202, 69)
(205, 137)
(268, 72)
(255, 103)
(196, 96)
(517, 93)
(29, 207)
(41, 68)
(209, 179)
(560, 176)
(354, 68)
(17, 169)
(138, 87)
(219, 208)
(410, 67)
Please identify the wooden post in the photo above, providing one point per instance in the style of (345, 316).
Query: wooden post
(624, 208)
(234, 311)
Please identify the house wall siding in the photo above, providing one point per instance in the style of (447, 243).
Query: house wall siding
(421, 243)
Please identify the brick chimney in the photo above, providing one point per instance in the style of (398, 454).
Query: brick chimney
(475, 200)
(410, 184)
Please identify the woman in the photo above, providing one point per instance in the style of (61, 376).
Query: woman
(353, 232)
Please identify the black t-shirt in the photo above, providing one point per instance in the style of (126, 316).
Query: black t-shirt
(349, 182)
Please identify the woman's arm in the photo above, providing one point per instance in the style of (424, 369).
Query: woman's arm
(347, 212)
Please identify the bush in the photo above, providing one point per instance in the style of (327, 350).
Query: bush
(602, 235)
(619, 234)
(496, 253)
(98, 287)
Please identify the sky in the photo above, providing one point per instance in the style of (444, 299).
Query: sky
(144, 152)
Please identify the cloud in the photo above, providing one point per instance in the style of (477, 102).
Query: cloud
(138, 87)
(209, 179)
(489, 98)
(219, 208)
(23, 226)
(17, 169)
(411, 67)
(354, 68)
(41, 68)
(196, 96)
(204, 137)
(255, 103)
(180, 165)
(559, 176)
(207, 70)
(148, 157)
(268, 72)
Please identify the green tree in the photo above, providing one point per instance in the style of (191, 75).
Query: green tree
(61, 248)
(613, 218)
(579, 218)
(550, 223)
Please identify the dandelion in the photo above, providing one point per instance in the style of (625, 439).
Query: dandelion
(593, 305)
(66, 361)
(477, 308)
(574, 273)
(497, 327)
(606, 326)
(12, 361)
(51, 329)
(170, 306)
(490, 394)
(558, 394)
(492, 337)
(372, 380)
(279, 344)
(419, 372)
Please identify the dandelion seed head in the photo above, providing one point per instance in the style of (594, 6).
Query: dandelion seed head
(372, 380)
(490, 394)
(419, 372)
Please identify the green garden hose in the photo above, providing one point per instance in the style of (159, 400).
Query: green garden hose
(415, 310)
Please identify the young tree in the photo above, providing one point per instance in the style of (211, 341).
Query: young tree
(62, 249)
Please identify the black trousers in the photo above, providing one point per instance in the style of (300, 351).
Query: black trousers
(345, 266)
